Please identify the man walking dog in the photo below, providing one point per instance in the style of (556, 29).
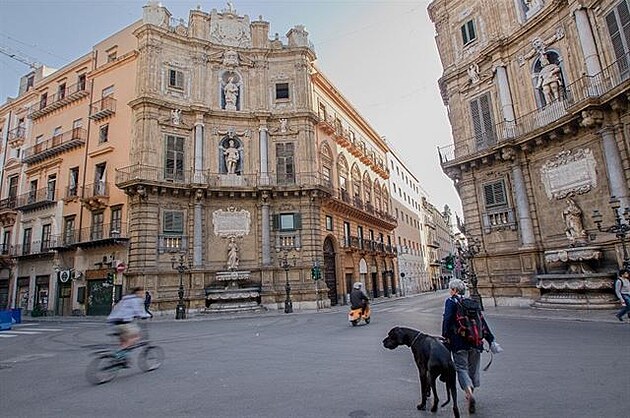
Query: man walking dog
(466, 344)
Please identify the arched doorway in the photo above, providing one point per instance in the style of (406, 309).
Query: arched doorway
(330, 278)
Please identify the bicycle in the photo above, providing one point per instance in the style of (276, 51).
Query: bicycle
(106, 365)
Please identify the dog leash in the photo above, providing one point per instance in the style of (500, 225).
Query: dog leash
(485, 369)
(414, 339)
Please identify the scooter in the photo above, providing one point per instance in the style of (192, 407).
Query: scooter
(355, 316)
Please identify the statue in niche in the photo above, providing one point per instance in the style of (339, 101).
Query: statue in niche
(232, 254)
(230, 92)
(176, 116)
(284, 123)
(574, 228)
(473, 73)
(231, 157)
(549, 80)
(532, 6)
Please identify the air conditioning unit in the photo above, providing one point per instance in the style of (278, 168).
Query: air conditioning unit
(64, 276)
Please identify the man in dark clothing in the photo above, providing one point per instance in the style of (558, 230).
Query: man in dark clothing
(147, 303)
(467, 358)
(358, 299)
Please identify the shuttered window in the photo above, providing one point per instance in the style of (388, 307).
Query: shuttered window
(618, 22)
(173, 222)
(285, 168)
(494, 194)
(175, 79)
(483, 126)
(174, 159)
(287, 221)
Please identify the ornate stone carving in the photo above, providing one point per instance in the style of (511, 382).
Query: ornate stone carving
(231, 222)
(230, 29)
(592, 117)
(569, 173)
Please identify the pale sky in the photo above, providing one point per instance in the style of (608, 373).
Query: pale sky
(381, 55)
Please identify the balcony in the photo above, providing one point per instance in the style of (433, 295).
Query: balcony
(96, 195)
(102, 235)
(103, 109)
(172, 243)
(8, 211)
(17, 136)
(62, 98)
(54, 146)
(499, 219)
(36, 199)
(586, 92)
(34, 248)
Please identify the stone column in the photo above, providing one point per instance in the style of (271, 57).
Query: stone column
(266, 233)
(525, 224)
(199, 131)
(614, 169)
(587, 41)
(198, 230)
(505, 96)
(522, 207)
(263, 136)
(507, 107)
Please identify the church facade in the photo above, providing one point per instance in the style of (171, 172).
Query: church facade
(537, 98)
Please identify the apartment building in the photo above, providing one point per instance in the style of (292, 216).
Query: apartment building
(411, 234)
(537, 100)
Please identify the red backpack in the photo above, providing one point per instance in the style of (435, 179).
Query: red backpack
(469, 321)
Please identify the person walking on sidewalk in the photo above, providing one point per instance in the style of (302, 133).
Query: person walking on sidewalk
(622, 289)
(147, 303)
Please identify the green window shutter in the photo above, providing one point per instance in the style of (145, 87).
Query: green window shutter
(275, 220)
(297, 220)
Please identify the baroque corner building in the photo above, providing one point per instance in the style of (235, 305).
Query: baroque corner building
(537, 96)
(246, 160)
(202, 159)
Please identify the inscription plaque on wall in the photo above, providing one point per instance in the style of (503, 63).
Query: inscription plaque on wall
(569, 173)
(231, 222)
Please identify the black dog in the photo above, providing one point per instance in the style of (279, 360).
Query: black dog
(433, 360)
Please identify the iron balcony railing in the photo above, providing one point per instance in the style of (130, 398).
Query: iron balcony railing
(95, 234)
(8, 203)
(584, 91)
(98, 189)
(36, 198)
(32, 248)
(17, 133)
(139, 173)
(103, 109)
(55, 145)
(63, 97)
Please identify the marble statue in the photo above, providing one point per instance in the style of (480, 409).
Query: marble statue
(231, 157)
(230, 91)
(574, 229)
(473, 73)
(176, 116)
(232, 257)
(549, 80)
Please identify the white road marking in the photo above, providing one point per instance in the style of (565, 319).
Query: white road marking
(3, 335)
(23, 332)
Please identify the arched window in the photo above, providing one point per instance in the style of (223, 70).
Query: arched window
(342, 169)
(356, 184)
(377, 195)
(367, 190)
(326, 165)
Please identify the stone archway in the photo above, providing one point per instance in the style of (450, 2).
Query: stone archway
(330, 276)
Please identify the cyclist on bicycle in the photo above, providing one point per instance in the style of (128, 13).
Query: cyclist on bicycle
(131, 306)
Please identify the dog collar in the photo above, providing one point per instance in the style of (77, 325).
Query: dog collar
(414, 339)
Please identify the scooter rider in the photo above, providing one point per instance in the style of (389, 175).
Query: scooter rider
(358, 298)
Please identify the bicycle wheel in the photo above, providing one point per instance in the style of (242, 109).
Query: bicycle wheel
(150, 358)
(102, 369)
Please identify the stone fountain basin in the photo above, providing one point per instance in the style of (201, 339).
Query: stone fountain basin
(575, 281)
(573, 254)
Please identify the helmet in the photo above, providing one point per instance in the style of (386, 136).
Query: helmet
(357, 285)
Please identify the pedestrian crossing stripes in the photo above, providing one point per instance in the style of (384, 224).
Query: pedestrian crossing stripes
(26, 329)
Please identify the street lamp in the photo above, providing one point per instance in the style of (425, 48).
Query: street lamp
(619, 228)
(181, 267)
(468, 253)
(284, 263)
